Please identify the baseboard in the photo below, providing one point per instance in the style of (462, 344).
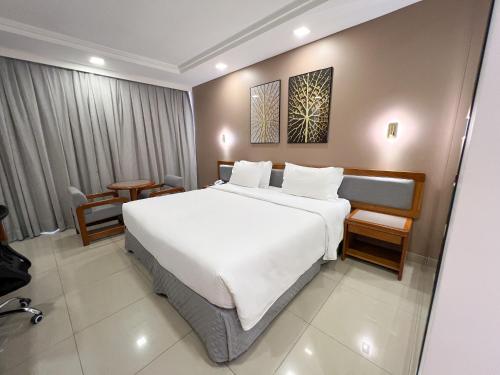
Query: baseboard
(418, 258)
(432, 262)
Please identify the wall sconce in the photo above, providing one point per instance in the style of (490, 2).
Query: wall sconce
(392, 130)
(225, 138)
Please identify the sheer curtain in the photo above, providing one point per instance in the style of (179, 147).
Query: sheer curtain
(61, 127)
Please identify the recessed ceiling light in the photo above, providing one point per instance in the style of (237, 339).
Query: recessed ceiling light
(301, 31)
(96, 60)
(221, 66)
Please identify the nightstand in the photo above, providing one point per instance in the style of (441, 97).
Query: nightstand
(377, 238)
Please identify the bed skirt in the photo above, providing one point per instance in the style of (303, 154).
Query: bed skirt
(218, 328)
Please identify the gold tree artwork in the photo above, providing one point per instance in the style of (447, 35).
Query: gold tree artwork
(265, 113)
(309, 106)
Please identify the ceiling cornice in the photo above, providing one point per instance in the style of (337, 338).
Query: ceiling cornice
(20, 55)
(82, 45)
(280, 16)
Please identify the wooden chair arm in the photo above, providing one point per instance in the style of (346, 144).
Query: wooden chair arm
(101, 203)
(167, 192)
(102, 195)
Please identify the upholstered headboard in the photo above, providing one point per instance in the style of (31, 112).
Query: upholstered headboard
(391, 192)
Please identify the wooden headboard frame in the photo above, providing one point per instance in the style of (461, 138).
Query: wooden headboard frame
(413, 212)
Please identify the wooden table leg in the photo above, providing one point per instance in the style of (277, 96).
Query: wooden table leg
(133, 194)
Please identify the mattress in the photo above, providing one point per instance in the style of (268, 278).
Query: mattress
(219, 329)
(237, 247)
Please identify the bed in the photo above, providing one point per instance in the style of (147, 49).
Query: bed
(230, 258)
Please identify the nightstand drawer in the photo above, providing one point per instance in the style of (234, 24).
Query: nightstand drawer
(373, 233)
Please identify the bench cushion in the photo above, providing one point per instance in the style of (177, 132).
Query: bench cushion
(380, 219)
(382, 191)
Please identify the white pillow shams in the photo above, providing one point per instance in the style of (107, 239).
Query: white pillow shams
(318, 183)
(245, 174)
(265, 167)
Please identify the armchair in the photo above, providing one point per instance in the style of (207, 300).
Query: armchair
(171, 185)
(88, 213)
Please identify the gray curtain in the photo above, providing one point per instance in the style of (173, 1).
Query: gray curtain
(61, 127)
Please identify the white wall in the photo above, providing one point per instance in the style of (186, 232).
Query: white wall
(464, 331)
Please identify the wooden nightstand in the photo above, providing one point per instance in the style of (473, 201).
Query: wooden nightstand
(377, 238)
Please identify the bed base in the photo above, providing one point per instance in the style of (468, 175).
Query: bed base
(218, 328)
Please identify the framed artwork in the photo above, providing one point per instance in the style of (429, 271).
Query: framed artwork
(265, 113)
(309, 106)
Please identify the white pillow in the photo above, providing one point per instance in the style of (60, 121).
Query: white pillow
(318, 183)
(338, 176)
(265, 167)
(244, 174)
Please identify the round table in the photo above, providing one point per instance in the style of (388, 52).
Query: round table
(132, 186)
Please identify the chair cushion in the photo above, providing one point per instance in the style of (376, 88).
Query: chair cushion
(170, 181)
(103, 212)
(173, 181)
(145, 193)
(77, 197)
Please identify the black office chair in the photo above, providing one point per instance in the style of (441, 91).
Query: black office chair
(14, 275)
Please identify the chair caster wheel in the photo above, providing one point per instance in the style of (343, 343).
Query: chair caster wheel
(35, 319)
(25, 302)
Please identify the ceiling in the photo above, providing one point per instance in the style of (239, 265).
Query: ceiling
(171, 43)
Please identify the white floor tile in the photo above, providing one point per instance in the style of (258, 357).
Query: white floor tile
(186, 357)
(382, 333)
(382, 284)
(318, 354)
(127, 341)
(42, 287)
(70, 239)
(336, 268)
(61, 358)
(310, 299)
(120, 241)
(70, 249)
(109, 260)
(267, 353)
(105, 297)
(20, 340)
(39, 251)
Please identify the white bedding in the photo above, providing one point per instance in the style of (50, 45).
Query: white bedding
(235, 246)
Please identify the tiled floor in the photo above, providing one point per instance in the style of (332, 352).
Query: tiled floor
(101, 317)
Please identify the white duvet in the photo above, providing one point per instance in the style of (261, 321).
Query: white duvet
(235, 246)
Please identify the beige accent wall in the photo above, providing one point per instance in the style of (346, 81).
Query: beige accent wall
(416, 66)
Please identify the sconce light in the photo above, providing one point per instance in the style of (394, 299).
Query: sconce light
(392, 130)
(223, 138)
